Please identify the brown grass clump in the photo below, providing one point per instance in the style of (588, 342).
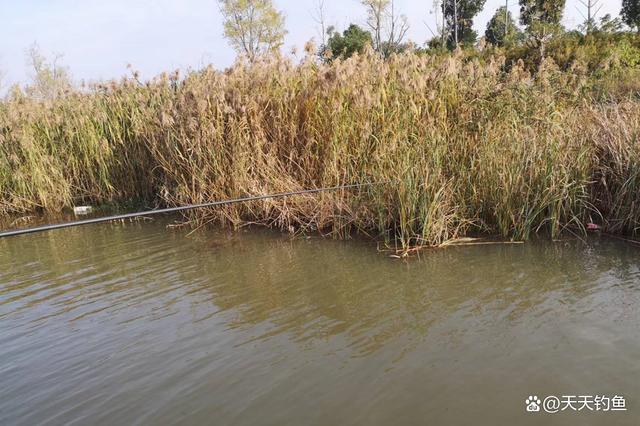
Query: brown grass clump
(468, 147)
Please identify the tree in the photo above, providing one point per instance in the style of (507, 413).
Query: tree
(253, 27)
(319, 16)
(376, 10)
(398, 28)
(353, 39)
(50, 79)
(458, 18)
(631, 13)
(543, 11)
(592, 7)
(439, 36)
(542, 19)
(501, 29)
(610, 25)
(389, 29)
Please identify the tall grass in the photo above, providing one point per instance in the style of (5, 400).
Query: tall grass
(466, 145)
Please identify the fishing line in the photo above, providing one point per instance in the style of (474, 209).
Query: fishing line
(178, 209)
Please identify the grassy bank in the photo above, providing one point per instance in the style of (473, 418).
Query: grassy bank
(471, 145)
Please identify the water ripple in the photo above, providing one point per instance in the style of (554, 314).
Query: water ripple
(123, 324)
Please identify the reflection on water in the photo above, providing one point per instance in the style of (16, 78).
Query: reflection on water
(116, 324)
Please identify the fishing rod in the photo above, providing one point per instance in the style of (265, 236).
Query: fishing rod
(178, 209)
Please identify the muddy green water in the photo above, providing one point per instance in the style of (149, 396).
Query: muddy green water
(136, 324)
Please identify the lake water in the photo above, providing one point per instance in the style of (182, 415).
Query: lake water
(139, 324)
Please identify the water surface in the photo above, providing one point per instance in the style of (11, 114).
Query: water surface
(138, 324)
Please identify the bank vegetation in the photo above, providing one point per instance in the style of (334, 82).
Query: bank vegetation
(465, 142)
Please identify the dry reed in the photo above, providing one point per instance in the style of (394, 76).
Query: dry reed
(469, 146)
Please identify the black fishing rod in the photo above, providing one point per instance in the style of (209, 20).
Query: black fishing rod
(177, 209)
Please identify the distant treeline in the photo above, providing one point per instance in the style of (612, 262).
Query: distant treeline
(254, 28)
(598, 46)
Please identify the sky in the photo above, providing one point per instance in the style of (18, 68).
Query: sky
(99, 38)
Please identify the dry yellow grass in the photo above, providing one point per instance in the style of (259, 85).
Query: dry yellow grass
(468, 146)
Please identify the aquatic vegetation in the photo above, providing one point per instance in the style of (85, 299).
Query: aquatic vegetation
(467, 144)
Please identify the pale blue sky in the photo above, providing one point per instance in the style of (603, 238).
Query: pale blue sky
(98, 38)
